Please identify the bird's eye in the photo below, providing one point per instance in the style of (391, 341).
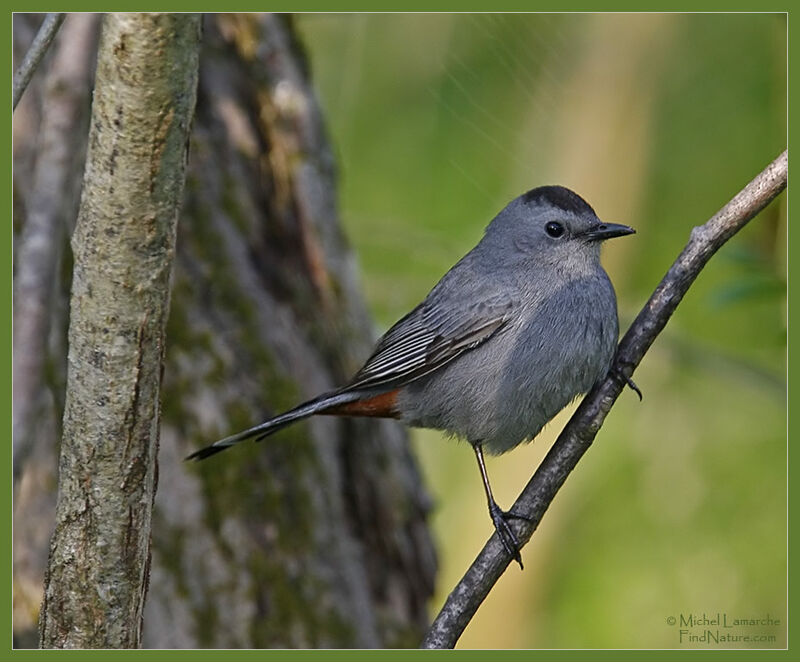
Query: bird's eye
(554, 229)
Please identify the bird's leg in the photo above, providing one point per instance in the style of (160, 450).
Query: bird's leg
(499, 516)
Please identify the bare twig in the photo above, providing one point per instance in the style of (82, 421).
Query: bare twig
(33, 57)
(580, 431)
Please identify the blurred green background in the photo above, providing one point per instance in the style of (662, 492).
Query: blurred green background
(438, 121)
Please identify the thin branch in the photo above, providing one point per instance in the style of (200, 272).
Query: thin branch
(41, 42)
(580, 431)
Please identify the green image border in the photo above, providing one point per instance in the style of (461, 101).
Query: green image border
(409, 6)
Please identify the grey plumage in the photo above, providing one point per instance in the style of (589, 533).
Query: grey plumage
(520, 326)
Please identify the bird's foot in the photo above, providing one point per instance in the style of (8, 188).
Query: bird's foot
(506, 534)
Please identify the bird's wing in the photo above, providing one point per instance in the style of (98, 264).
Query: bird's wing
(429, 337)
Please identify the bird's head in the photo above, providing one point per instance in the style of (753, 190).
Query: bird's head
(551, 225)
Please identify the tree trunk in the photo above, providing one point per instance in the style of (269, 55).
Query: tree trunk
(123, 248)
(316, 537)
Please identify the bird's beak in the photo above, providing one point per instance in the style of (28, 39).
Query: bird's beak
(603, 231)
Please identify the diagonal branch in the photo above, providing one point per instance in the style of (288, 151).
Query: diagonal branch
(41, 42)
(580, 431)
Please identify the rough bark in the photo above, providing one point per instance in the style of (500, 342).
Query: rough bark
(123, 248)
(316, 538)
(319, 537)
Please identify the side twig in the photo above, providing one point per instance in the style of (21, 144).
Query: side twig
(41, 42)
(580, 431)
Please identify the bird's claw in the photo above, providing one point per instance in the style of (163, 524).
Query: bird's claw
(627, 381)
(632, 385)
(506, 534)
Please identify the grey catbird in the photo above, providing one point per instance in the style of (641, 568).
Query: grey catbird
(521, 325)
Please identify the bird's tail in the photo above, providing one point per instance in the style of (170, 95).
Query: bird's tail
(268, 427)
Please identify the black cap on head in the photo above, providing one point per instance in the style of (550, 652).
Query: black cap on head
(560, 197)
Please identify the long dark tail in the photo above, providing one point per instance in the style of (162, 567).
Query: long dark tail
(268, 427)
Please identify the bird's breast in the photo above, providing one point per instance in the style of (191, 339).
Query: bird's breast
(505, 390)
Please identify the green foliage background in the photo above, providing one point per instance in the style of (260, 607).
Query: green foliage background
(657, 120)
